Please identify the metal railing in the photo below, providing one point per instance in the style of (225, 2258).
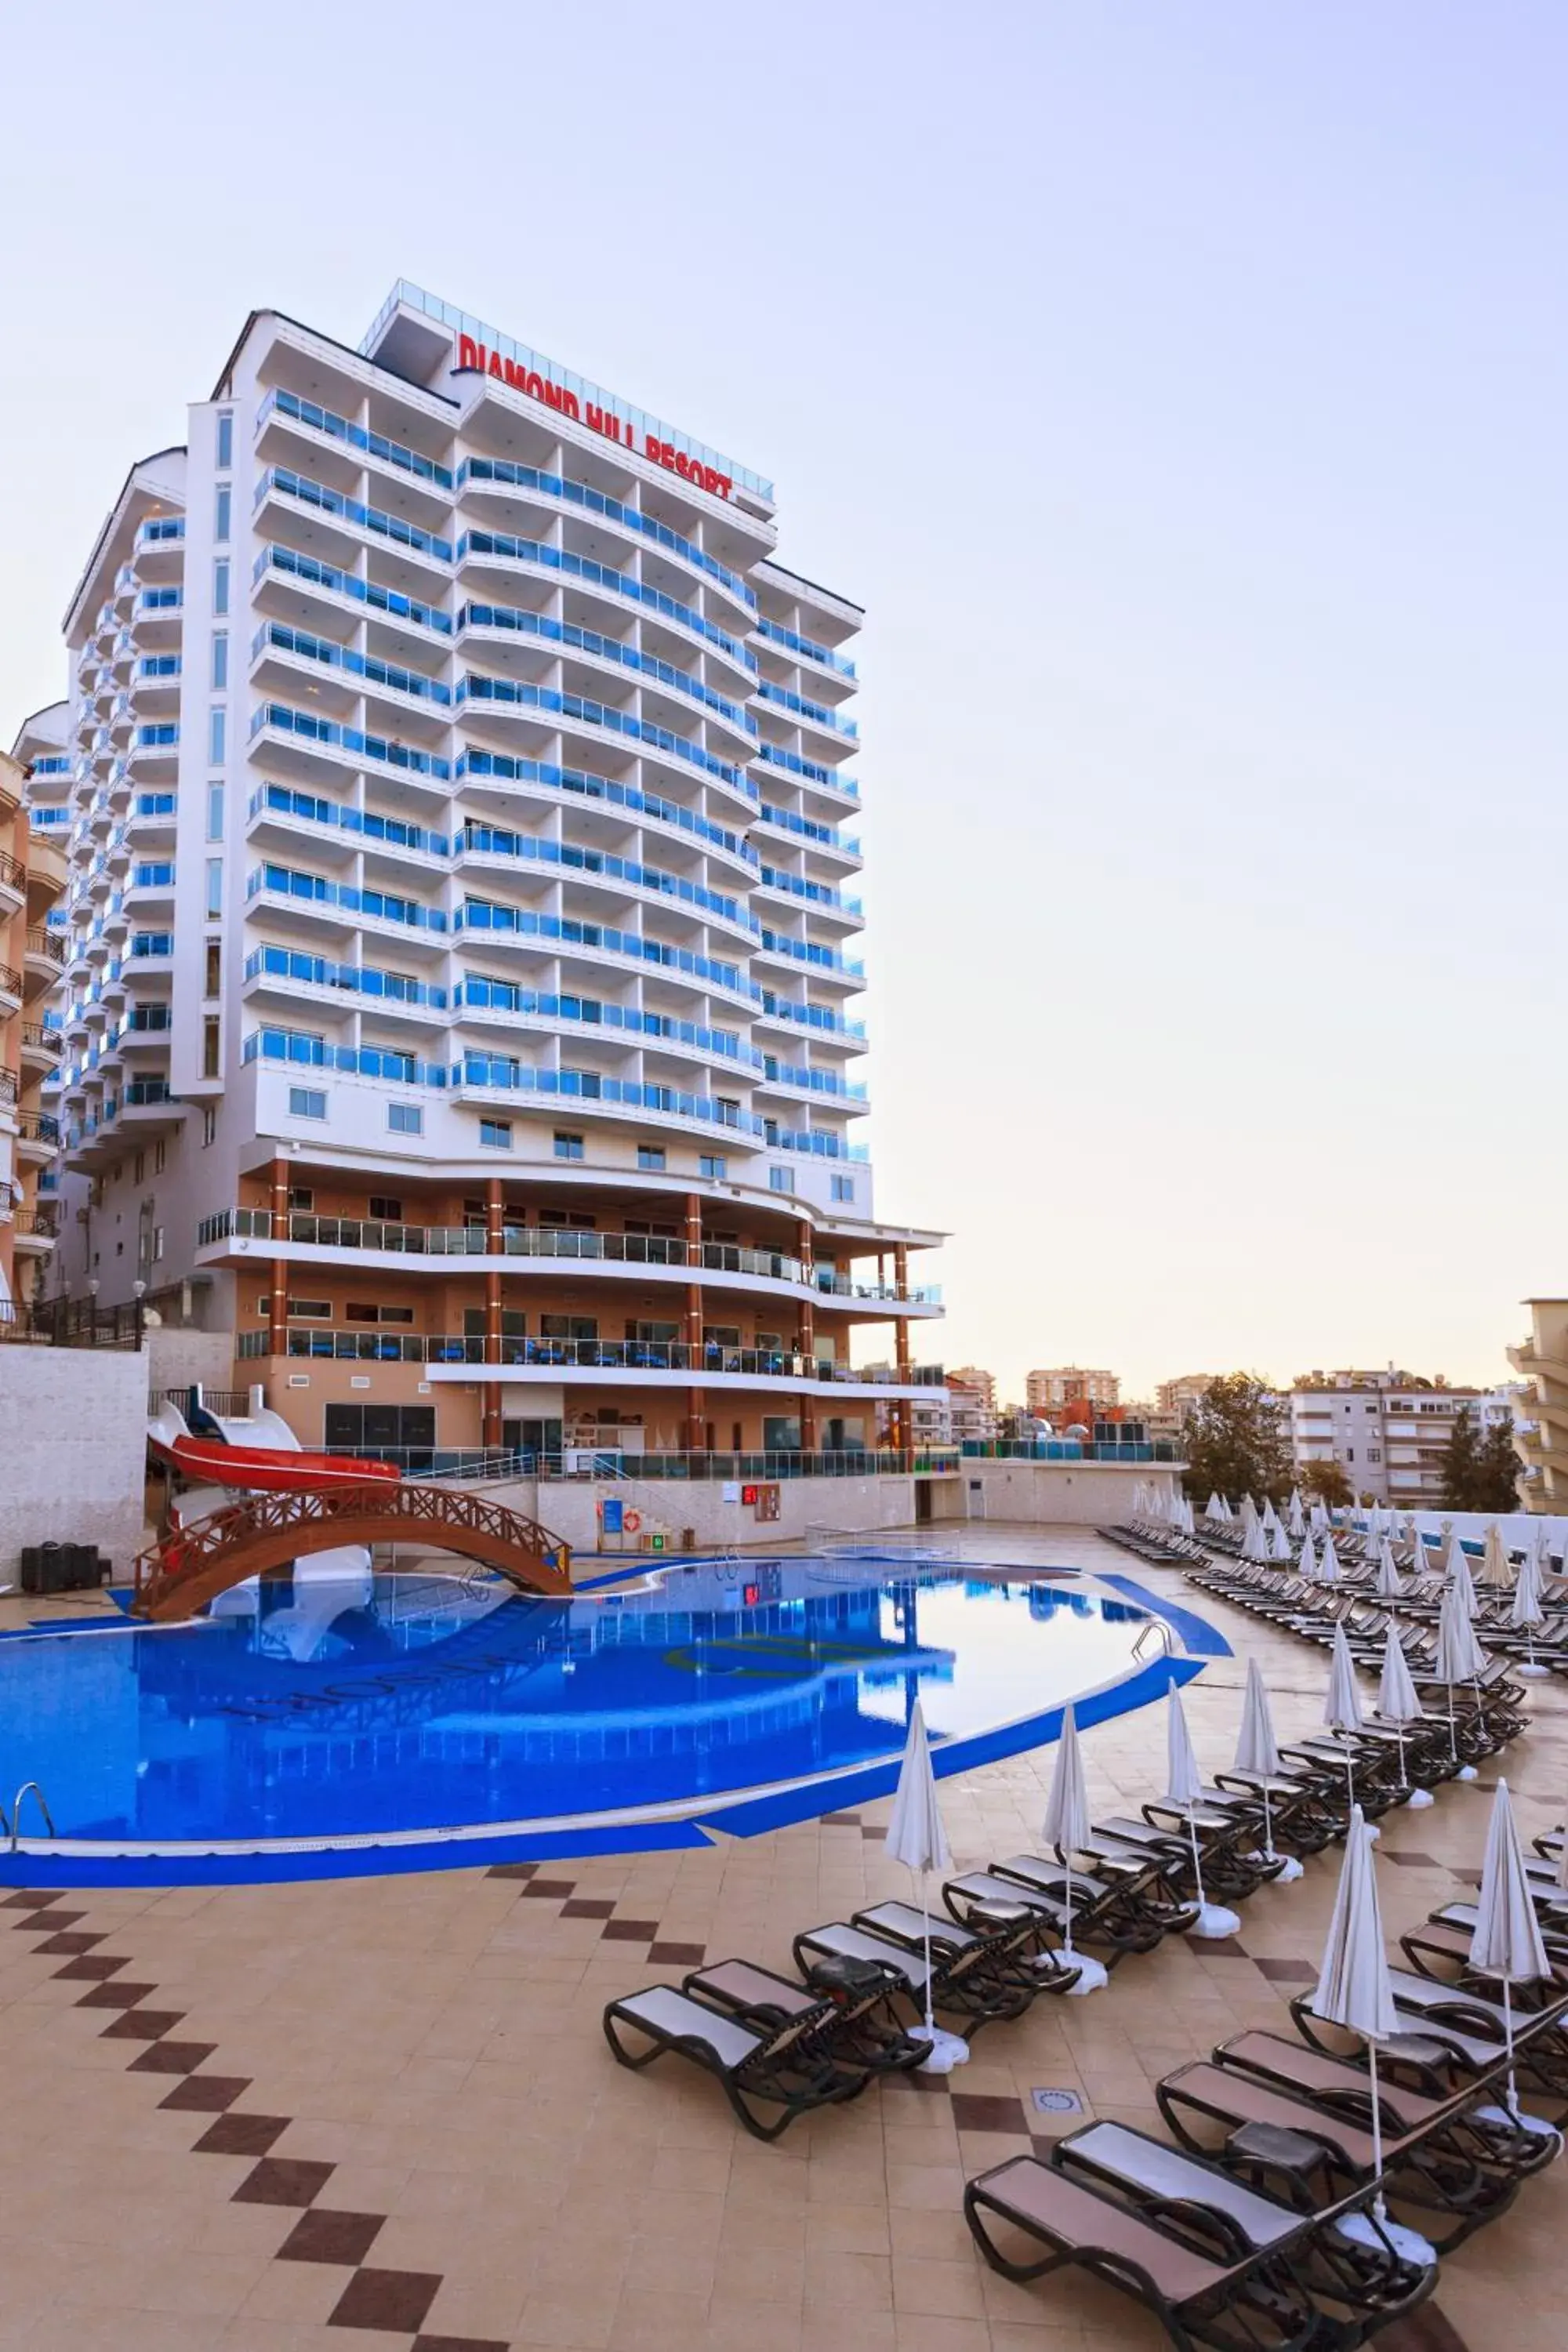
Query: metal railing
(380, 1346)
(1067, 1449)
(610, 1463)
(72, 1323)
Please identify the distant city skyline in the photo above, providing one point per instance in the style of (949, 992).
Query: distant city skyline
(1185, 412)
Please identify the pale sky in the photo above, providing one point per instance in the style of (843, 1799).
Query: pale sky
(1181, 391)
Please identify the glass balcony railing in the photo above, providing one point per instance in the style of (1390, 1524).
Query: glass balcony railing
(812, 770)
(797, 1076)
(809, 952)
(504, 1074)
(506, 475)
(811, 1016)
(358, 980)
(775, 632)
(148, 1020)
(162, 531)
(349, 739)
(153, 666)
(371, 518)
(588, 641)
(828, 835)
(160, 600)
(44, 820)
(480, 915)
(155, 804)
(55, 764)
(273, 634)
(286, 882)
(280, 800)
(355, 437)
(154, 874)
(818, 713)
(344, 583)
(502, 692)
(497, 545)
(152, 943)
(302, 1052)
(500, 767)
(817, 893)
(586, 1011)
(491, 840)
(160, 737)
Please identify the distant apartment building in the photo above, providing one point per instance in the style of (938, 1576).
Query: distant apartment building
(972, 1405)
(1052, 1392)
(1388, 1431)
(931, 1415)
(1177, 1396)
(32, 877)
(1540, 1423)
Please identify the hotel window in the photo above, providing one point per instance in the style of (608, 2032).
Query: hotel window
(158, 1157)
(220, 658)
(352, 1314)
(307, 1102)
(404, 1118)
(215, 812)
(157, 1244)
(212, 977)
(653, 1335)
(650, 1156)
(780, 1180)
(495, 1134)
(211, 1047)
(568, 1147)
(301, 1197)
(226, 440)
(222, 506)
(844, 1188)
(384, 1210)
(712, 1165)
(218, 736)
(569, 1327)
(220, 588)
(215, 885)
(209, 1127)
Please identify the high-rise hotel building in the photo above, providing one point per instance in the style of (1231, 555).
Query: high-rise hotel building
(459, 1002)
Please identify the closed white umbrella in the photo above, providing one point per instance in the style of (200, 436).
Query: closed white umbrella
(1328, 1563)
(1398, 1703)
(1319, 1518)
(1354, 1991)
(917, 1839)
(1389, 1584)
(1461, 1581)
(1342, 1705)
(1254, 1542)
(1270, 1515)
(1257, 1752)
(1185, 1787)
(1527, 1613)
(1445, 1540)
(1457, 1660)
(1278, 1544)
(1507, 1941)
(1067, 1829)
(1307, 1566)
(1215, 1508)
(1295, 1517)
(1497, 1568)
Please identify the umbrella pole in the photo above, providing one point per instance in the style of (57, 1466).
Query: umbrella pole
(1379, 2206)
(1399, 1734)
(1453, 1742)
(925, 1920)
(1066, 1941)
(1197, 1865)
(1508, 2038)
(1269, 1851)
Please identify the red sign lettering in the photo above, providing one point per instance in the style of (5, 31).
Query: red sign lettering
(477, 359)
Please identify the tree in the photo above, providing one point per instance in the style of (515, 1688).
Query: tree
(1327, 1483)
(1234, 1442)
(1480, 1470)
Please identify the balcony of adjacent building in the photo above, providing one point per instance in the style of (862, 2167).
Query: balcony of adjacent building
(297, 744)
(41, 1045)
(36, 1137)
(43, 957)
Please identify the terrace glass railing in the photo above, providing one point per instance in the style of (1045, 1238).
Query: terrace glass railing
(353, 437)
(344, 583)
(539, 625)
(298, 642)
(775, 632)
(506, 475)
(281, 479)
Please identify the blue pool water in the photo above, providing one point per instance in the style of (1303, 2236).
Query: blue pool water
(333, 1709)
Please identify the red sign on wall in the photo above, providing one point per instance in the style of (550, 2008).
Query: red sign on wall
(478, 358)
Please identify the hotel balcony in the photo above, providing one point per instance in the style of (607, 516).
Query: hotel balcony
(35, 1230)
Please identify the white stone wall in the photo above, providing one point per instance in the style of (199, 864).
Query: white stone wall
(1055, 1494)
(73, 1451)
(570, 1508)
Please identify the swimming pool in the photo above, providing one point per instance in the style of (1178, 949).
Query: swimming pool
(394, 1708)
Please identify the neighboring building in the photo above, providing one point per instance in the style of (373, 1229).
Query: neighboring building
(972, 1395)
(32, 877)
(1178, 1396)
(931, 1413)
(1387, 1430)
(1048, 1394)
(1541, 1423)
(460, 969)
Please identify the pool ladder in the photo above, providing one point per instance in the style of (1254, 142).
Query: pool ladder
(13, 1829)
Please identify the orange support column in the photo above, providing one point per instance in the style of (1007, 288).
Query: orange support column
(495, 1245)
(905, 1422)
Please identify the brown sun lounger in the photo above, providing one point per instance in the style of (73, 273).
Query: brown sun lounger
(862, 2029)
(963, 1982)
(784, 2071)
(1008, 1934)
(1206, 2297)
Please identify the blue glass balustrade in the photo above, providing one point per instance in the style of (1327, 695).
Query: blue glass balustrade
(489, 692)
(344, 583)
(393, 829)
(371, 518)
(589, 641)
(491, 840)
(349, 739)
(353, 437)
(366, 666)
(359, 980)
(501, 767)
(794, 644)
(817, 711)
(288, 882)
(503, 472)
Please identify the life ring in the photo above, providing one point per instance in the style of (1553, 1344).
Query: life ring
(632, 1523)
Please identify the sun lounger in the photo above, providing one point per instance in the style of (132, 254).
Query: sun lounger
(963, 1983)
(784, 2071)
(862, 2031)
(1357, 2269)
(1137, 1905)
(1178, 2268)
(1007, 1933)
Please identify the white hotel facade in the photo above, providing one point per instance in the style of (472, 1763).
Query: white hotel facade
(461, 932)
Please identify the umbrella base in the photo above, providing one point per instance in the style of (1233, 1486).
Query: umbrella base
(1215, 1921)
(1092, 1975)
(947, 2050)
(1418, 1798)
(1534, 1672)
(1466, 1772)
(1288, 1871)
(1408, 2244)
(1537, 2125)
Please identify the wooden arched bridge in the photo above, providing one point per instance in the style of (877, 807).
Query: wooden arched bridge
(261, 1534)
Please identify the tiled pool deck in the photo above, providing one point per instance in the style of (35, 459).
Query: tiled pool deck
(380, 2113)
